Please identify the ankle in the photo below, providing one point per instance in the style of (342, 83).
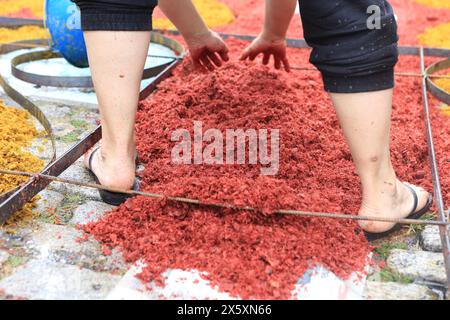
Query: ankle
(377, 191)
(115, 155)
(117, 146)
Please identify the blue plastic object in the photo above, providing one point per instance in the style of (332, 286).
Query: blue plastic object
(64, 24)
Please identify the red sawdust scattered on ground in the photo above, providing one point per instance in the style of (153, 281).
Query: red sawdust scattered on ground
(247, 254)
(24, 13)
(414, 18)
(408, 92)
(441, 133)
(250, 17)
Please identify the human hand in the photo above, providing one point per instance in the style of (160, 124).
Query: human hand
(207, 50)
(268, 46)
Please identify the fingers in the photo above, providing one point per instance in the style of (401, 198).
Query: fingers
(198, 65)
(282, 60)
(224, 54)
(253, 54)
(266, 58)
(219, 47)
(214, 58)
(286, 64)
(209, 57)
(277, 62)
(204, 59)
(250, 53)
(202, 62)
(197, 61)
(245, 54)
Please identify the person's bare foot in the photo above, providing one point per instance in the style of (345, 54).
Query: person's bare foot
(112, 171)
(393, 200)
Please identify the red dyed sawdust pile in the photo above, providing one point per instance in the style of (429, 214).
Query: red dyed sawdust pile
(247, 254)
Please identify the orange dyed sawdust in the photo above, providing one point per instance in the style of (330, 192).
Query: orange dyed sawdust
(16, 134)
(22, 33)
(439, 4)
(444, 84)
(437, 37)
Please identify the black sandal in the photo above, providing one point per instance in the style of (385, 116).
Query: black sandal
(112, 198)
(413, 215)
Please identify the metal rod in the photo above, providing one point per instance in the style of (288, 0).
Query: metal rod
(400, 74)
(36, 45)
(301, 44)
(24, 45)
(26, 192)
(435, 171)
(17, 22)
(403, 74)
(222, 205)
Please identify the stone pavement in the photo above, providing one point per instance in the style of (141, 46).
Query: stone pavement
(44, 259)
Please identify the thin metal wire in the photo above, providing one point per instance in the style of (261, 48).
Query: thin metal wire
(34, 46)
(25, 45)
(226, 206)
(400, 74)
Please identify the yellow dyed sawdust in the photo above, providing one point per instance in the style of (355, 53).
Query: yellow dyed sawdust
(444, 84)
(438, 4)
(445, 109)
(438, 37)
(16, 134)
(22, 33)
(21, 217)
(213, 12)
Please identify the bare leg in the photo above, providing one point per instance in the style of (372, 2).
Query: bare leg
(117, 61)
(365, 119)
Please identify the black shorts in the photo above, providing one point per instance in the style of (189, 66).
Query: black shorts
(352, 52)
(116, 15)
